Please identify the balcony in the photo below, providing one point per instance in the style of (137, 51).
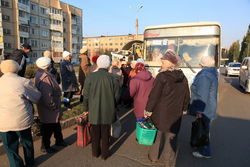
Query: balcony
(24, 7)
(23, 20)
(56, 27)
(75, 40)
(56, 16)
(24, 34)
(74, 31)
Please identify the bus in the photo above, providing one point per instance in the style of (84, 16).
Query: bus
(189, 40)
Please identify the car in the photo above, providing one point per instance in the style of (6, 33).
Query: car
(244, 78)
(233, 69)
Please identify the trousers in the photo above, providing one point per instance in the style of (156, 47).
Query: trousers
(100, 140)
(47, 130)
(164, 148)
(11, 142)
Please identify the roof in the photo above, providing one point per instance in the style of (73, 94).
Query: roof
(183, 25)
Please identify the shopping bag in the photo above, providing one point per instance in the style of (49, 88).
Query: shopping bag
(199, 134)
(116, 128)
(83, 132)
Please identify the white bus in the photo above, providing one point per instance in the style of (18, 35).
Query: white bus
(189, 40)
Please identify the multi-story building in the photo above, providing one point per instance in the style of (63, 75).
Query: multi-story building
(104, 44)
(41, 24)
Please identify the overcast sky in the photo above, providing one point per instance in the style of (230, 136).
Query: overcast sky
(117, 17)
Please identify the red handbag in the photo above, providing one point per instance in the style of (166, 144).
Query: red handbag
(83, 132)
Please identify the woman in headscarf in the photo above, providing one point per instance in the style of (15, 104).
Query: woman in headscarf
(167, 101)
(140, 87)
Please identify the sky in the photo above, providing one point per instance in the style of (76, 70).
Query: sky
(117, 17)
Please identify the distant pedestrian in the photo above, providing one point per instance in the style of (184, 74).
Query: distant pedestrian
(52, 69)
(49, 106)
(16, 114)
(101, 94)
(93, 67)
(168, 99)
(140, 87)
(116, 70)
(204, 99)
(83, 69)
(20, 56)
(69, 81)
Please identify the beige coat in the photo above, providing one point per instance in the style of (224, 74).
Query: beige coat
(16, 109)
(49, 106)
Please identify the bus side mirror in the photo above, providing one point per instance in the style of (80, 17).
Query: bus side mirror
(244, 67)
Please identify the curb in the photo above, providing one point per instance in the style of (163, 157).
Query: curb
(64, 124)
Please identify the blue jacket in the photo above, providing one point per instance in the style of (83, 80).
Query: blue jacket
(204, 93)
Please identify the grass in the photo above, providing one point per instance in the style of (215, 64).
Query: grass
(77, 109)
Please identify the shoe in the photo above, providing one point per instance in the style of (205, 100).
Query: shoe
(197, 154)
(48, 150)
(62, 144)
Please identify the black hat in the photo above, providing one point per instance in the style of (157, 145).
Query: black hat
(27, 46)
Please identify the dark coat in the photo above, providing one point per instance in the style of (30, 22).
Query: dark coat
(68, 76)
(19, 56)
(168, 99)
(204, 93)
(140, 87)
(49, 105)
(101, 94)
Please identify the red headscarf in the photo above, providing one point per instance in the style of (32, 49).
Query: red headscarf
(139, 67)
(94, 59)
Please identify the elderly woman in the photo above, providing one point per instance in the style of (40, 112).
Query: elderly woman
(101, 95)
(204, 99)
(84, 69)
(49, 106)
(140, 87)
(16, 113)
(167, 101)
(69, 81)
(52, 70)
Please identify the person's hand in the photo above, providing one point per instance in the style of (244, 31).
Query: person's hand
(198, 115)
(184, 112)
(85, 113)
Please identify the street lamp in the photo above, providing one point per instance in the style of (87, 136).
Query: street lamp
(136, 21)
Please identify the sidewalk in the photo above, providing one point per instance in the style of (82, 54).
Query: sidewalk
(125, 151)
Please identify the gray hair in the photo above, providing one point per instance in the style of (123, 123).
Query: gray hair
(207, 61)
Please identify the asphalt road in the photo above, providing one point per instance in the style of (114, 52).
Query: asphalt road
(230, 139)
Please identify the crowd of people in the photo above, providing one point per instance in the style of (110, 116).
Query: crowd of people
(103, 85)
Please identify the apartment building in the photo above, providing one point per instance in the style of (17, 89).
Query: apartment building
(103, 44)
(41, 24)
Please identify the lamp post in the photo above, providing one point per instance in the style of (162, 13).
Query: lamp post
(137, 21)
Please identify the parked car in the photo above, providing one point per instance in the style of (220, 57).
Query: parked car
(244, 78)
(233, 69)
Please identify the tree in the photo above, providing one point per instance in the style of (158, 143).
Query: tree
(245, 46)
(234, 51)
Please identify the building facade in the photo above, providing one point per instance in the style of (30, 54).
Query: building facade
(104, 44)
(41, 24)
(1, 34)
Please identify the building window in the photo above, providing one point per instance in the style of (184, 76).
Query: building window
(42, 10)
(45, 33)
(5, 18)
(23, 40)
(116, 43)
(33, 7)
(56, 22)
(44, 45)
(33, 20)
(33, 43)
(110, 44)
(6, 31)
(33, 31)
(121, 43)
(44, 22)
(5, 3)
(23, 28)
(25, 2)
(21, 13)
(7, 45)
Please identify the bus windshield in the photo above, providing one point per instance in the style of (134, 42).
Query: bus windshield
(189, 49)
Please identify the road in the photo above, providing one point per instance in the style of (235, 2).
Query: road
(230, 139)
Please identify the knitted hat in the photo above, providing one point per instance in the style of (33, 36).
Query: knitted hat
(103, 61)
(207, 61)
(47, 53)
(171, 56)
(66, 54)
(9, 66)
(43, 62)
(94, 59)
(139, 67)
(83, 50)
